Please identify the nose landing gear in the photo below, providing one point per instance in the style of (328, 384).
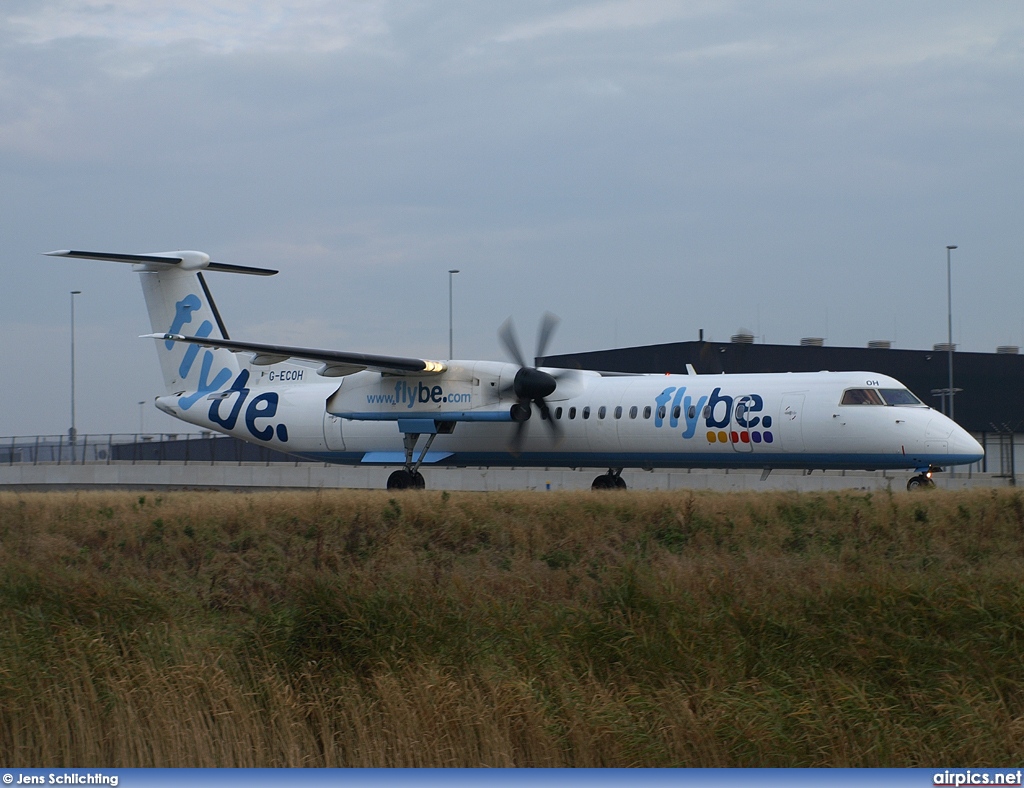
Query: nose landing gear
(923, 481)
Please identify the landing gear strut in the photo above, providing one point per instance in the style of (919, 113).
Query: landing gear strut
(410, 478)
(610, 481)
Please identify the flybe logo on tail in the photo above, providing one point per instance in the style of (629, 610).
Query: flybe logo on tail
(726, 419)
(183, 314)
(207, 384)
(259, 408)
(263, 406)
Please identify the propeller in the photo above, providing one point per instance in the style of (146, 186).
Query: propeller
(530, 385)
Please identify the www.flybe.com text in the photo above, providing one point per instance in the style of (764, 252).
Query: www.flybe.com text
(419, 394)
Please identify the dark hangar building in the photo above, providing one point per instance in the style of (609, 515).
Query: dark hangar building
(989, 387)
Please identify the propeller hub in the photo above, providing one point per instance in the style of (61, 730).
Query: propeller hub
(532, 384)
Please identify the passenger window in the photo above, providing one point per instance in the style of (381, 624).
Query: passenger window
(586, 412)
(706, 413)
(647, 412)
(676, 411)
(618, 411)
(558, 412)
(572, 413)
(661, 412)
(861, 397)
(632, 412)
(692, 412)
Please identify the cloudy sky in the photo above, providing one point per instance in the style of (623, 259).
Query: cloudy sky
(642, 169)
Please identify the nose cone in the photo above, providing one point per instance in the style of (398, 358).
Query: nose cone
(965, 448)
(940, 428)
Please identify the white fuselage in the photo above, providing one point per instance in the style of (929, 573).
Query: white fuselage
(787, 420)
(355, 408)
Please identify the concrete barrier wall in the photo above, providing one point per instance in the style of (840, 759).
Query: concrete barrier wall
(305, 476)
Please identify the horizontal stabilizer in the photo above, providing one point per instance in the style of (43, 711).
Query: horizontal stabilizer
(189, 261)
(333, 360)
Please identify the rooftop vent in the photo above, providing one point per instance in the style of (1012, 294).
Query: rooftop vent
(743, 336)
(1008, 350)
(879, 344)
(943, 347)
(812, 342)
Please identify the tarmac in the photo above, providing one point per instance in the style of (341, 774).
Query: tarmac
(248, 476)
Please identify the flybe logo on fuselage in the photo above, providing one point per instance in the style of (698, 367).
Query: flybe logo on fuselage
(725, 419)
(261, 407)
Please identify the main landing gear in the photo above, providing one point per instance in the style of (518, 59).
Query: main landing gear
(409, 477)
(923, 481)
(610, 481)
(406, 480)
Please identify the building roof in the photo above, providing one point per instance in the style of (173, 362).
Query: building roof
(989, 386)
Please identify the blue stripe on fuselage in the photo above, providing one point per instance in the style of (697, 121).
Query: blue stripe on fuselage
(779, 460)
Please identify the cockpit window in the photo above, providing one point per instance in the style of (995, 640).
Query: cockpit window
(861, 397)
(899, 397)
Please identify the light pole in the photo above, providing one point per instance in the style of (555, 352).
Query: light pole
(142, 427)
(949, 315)
(451, 331)
(72, 433)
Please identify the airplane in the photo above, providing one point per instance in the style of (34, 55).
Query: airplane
(365, 409)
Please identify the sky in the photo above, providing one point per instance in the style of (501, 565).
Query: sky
(642, 169)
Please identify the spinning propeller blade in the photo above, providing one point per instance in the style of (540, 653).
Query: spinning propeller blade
(530, 385)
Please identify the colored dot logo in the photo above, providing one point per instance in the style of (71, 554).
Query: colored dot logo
(746, 436)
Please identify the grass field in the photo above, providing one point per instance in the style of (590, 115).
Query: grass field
(521, 629)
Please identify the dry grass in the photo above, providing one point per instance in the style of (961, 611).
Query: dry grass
(539, 629)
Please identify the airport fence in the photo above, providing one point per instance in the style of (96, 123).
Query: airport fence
(204, 448)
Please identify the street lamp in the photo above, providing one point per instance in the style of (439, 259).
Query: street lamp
(949, 315)
(142, 427)
(72, 433)
(451, 333)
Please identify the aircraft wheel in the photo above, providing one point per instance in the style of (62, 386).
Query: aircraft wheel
(403, 480)
(608, 481)
(418, 482)
(921, 482)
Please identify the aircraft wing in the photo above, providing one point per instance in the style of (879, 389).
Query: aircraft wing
(335, 363)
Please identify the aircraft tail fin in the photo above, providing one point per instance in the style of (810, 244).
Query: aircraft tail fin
(179, 302)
